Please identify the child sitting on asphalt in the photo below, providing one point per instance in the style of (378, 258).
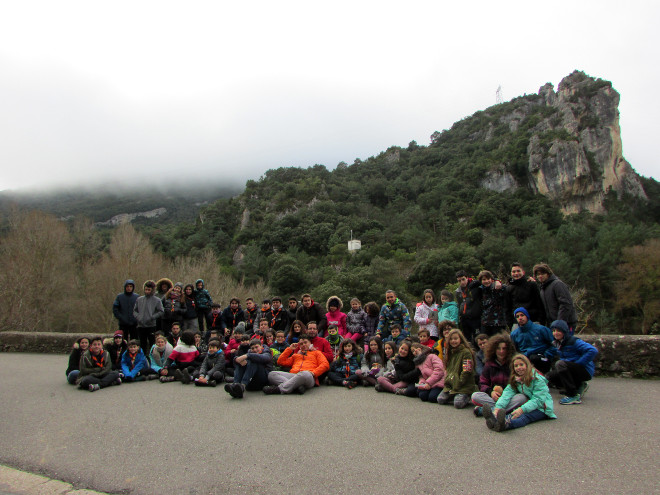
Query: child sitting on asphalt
(213, 368)
(134, 364)
(116, 347)
(575, 367)
(343, 370)
(159, 353)
(96, 368)
(459, 366)
(180, 363)
(79, 348)
(526, 380)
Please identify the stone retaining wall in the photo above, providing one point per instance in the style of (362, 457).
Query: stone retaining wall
(628, 355)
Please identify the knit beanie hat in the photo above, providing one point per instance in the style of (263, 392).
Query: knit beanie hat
(523, 311)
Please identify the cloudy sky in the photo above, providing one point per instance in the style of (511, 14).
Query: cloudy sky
(99, 91)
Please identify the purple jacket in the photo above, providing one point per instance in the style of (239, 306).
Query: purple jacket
(493, 374)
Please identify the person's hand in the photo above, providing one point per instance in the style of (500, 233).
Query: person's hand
(424, 386)
(517, 413)
(495, 395)
(201, 379)
(163, 372)
(498, 284)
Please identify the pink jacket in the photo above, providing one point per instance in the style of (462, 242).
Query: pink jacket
(339, 319)
(433, 371)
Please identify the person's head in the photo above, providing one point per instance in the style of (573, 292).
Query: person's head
(133, 346)
(355, 304)
(198, 338)
(395, 330)
(429, 297)
(199, 284)
(118, 337)
(176, 328)
(418, 349)
(456, 339)
(485, 277)
(371, 308)
(277, 303)
(129, 287)
(423, 335)
(389, 348)
(462, 278)
(265, 305)
(522, 370)
(446, 296)
(234, 303)
(404, 349)
(298, 326)
(542, 272)
(559, 329)
(245, 340)
(177, 289)
(517, 271)
(306, 300)
(213, 334)
(312, 330)
(216, 308)
(161, 341)
(499, 348)
(521, 315)
(445, 326)
(165, 286)
(279, 337)
(481, 340)
(214, 346)
(292, 303)
(263, 325)
(334, 304)
(188, 290)
(249, 302)
(333, 329)
(96, 346)
(237, 334)
(188, 337)
(375, 345)
(304, 343)
(348, 346)
(149, 287)
(256, 346)
(83, 343)
(390, 297)
(269, 337)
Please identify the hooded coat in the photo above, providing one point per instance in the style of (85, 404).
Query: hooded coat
(336, 317)
(557, 301)
(532, 338)
(123, 306)
(574, 350)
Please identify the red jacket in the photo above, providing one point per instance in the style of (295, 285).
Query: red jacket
(321, 344)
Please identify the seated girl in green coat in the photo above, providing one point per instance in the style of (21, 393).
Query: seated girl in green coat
(459, 365)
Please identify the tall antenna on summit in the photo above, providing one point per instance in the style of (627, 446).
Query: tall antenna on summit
(498, 95)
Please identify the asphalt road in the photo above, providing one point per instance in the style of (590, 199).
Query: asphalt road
(153, 438)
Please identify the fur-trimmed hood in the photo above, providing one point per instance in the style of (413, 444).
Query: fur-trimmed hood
(327, 303)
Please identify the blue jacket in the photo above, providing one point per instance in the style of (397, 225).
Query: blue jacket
(577, 351)
(346, 367)
(202, 297)
(140, 363)
(532, 338)
(448, 311)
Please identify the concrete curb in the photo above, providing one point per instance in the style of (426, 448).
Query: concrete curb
(16, 482)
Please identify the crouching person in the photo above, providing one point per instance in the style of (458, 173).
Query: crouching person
(96, 368)
(251, 370)
(134, 364)
(306, 365)
(213, 368)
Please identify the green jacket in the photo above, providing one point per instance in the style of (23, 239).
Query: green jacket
(87, 366)
(538, 396)
(460, 372)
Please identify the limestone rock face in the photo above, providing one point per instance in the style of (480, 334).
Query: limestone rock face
(575, 151)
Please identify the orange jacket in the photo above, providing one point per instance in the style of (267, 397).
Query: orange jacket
(314, 361)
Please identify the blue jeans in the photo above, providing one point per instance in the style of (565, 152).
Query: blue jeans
(430, 395)
(254, 376)
(524, 419)
(71, 377)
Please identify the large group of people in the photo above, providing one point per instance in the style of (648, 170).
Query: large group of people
(495, 345)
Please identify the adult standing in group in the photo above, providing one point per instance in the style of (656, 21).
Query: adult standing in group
(292, 308)
(312, 311)
(393, 311)
(122, 308)
(556, 297)
(522, 292)
(147, 310)
(468, 298)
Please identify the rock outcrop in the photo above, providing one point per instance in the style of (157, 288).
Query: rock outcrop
(574, 152)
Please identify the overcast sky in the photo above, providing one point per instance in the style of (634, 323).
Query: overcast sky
(95, 91)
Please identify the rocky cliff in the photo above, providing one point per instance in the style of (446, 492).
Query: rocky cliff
(574, 152)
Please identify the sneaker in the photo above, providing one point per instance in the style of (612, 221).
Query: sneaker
(211, 383)
(272, 389)
(500, 420)
(478, 411)
(185, 377)
(152, 377)
(584, 386)
(178, 375)
(400, 391)
(228, 388)
(570, 400)
(117, 381)
(236, 390)
(378, 387)
(301, 390)
(229, 379)
(490, 418)
(165, 379)
(94, 387)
